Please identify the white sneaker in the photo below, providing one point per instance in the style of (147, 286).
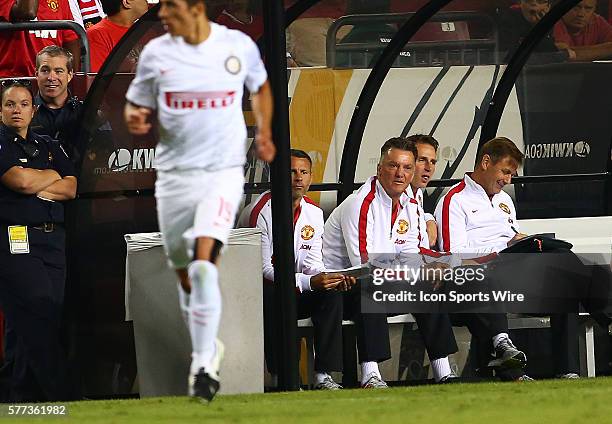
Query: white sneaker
(327, 384)
(374, 382)
(205, 383)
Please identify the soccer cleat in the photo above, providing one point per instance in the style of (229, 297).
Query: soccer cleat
(508, 356)
(568, 376)
(327, 384)
(450, 379)
(374, 382)
(205, 384)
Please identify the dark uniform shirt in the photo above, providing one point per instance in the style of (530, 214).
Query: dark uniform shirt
(37, 152)
(61, 124)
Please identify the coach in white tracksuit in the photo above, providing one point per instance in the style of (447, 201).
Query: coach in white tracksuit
(477, 219)
(380, 218)
(318, 292)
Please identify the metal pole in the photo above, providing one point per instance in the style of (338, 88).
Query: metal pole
(282, 222)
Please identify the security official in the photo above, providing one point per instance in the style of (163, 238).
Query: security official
(58, 112)
(35, 177)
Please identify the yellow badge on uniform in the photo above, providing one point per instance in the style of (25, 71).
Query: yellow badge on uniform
(18, 239)
(307, 232)
(402, 226)
(504, 208)
(53, 5)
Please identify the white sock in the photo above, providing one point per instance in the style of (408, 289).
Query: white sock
(184, 304)
(441, 368)
(204, 312)
(367, 369)
(319, 377)
(499, 337)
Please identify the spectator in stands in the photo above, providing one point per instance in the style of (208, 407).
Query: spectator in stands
(90, 10)
(57, 112)
(357, 231)
(104, 35)
(319, 294)
(586, 33)
(19, 48)
(515, 24)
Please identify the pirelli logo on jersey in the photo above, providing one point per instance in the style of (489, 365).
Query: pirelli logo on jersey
(199, 100)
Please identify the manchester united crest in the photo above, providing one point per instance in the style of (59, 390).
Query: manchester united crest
(504, 208)
(307, 232)
(53, 5)
(402, 226)
(233, 65)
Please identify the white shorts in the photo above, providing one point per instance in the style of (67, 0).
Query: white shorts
(196, 203)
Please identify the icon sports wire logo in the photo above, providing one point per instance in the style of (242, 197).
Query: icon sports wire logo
(199, 100)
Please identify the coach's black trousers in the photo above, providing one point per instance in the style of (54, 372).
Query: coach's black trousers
(325, 310)
(373, 331)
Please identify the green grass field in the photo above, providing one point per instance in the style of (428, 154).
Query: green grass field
(553, 401)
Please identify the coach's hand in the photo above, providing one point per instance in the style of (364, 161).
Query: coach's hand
(266, 150)
(325, 281)
(516, 238)
(433, 272)
(136, 119)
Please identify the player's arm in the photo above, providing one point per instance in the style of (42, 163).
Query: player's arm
(24, 10)
(262, 105)
(136, 118)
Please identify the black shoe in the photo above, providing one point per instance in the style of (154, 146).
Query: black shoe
(508, 356)
(204, 386)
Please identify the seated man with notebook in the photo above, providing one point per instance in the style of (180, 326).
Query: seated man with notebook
(477, 219)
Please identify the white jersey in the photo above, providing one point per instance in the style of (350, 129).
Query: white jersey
(197, 91)
(307, 232)
(471, 223)
(366, 224)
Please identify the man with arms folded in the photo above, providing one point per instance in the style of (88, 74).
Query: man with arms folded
(380, 218)
(318, 292)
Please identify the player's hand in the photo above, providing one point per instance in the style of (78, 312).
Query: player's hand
(325, 281)
(266, 150)
(136, 119)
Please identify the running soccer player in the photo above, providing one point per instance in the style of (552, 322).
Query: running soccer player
(193, 77)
